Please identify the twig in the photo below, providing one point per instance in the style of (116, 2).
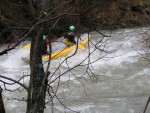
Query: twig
(146, 105)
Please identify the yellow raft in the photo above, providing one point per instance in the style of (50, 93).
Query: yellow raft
(63, 51)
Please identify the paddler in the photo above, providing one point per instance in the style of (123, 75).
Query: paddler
(70, 37)
(44, 45)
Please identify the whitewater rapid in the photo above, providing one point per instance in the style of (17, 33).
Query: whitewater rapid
(120, 83)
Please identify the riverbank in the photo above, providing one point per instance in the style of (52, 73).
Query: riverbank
(109, 15)
(125, 14)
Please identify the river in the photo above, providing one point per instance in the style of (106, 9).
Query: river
(119, 81)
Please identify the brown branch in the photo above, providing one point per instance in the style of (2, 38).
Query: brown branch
(17, 82)
(57, 8)
(146, 105)
(39, 22)
(93, 6)
(15, 45)
(10, 20)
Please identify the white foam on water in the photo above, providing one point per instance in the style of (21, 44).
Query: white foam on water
(72, 60)
(14, 59)
(125, 54)
(118, 59)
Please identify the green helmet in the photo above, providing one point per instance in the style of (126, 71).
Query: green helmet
(44, 37)
(71, 28)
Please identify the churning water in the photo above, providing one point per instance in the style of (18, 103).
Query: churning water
(118, 79)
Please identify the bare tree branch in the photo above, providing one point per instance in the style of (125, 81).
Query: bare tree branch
(17, 82)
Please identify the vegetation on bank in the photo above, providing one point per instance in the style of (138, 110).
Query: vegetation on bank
(16, 16)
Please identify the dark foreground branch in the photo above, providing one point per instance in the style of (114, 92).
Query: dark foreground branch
(17, 82)
(146, 105)
(2, 109)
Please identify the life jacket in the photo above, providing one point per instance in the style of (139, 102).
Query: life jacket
(69, 39)
(44, 47)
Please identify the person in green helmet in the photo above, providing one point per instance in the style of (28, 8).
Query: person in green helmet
(44, 45)
(70, 37)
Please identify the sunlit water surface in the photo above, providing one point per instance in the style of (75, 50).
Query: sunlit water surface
(119, 82)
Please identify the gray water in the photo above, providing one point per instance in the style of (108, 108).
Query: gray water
(119, 82)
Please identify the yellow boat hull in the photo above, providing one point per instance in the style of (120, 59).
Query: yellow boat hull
(63, 53)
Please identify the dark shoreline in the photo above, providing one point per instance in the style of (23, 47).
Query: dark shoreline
(111, 15)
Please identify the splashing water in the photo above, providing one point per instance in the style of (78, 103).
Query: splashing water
(121, 83)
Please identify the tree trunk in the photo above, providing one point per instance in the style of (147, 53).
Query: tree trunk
(37, 90)
(38, 81)
(2, 109)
